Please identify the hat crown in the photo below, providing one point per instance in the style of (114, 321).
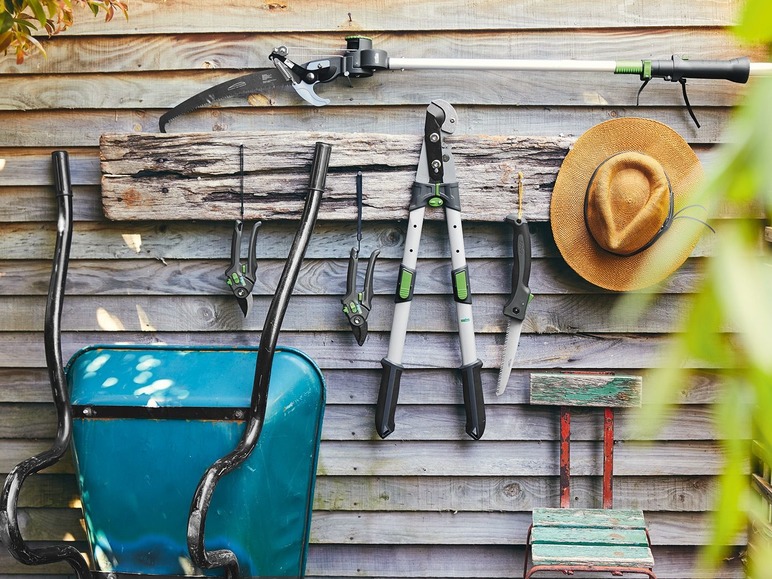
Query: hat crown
(628, 202)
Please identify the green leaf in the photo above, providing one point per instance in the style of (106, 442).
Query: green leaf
(6, 21)
(38, 11)
(756, 22)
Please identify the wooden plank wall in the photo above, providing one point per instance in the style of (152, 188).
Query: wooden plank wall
(428, 501)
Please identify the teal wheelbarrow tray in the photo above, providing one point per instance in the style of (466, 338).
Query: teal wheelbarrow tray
(172, 443)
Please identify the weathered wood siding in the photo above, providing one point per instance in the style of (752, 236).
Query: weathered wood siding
(428, 501)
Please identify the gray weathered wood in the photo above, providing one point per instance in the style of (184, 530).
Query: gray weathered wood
(185, 51)
(567, 389)
(436, 422)
(196, 176)
(549, 351)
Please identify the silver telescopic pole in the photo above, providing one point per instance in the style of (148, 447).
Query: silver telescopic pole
(501, 64)
(756, 68)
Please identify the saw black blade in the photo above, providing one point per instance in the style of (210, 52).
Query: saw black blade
(242, 86)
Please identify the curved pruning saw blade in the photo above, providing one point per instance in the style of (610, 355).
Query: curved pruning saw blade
(255, 82)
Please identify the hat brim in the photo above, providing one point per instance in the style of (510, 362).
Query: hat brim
(575, 243)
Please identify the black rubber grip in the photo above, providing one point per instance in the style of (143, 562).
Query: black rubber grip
(62, 181)
(387, 398)
(474, 404)
(735, 70)
(319, 168)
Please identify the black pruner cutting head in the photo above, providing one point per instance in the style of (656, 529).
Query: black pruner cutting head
(239, 276)
(356, 305)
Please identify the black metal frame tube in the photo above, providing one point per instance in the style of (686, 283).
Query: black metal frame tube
(270, 334)
(9, 523)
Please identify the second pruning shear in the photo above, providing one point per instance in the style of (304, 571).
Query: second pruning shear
(240, 276)
(356, 304)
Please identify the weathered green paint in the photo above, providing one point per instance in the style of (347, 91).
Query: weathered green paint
(585, 536)
(604, 390)
(592, 555)
(590, 537)
(589, 518)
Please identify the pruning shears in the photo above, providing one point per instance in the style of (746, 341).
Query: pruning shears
(241, 276)
(356, 304)
(436, 186)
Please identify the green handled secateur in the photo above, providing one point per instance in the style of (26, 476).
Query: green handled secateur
(359, 59)
(435, 186)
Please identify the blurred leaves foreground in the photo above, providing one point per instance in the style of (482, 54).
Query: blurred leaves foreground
(729, 323)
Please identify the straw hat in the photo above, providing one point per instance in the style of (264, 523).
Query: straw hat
(615, 204)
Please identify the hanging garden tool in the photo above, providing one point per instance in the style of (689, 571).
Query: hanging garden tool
(521, 294)
(435, 185)
(356, 304)
(360, 59)
(240, 276)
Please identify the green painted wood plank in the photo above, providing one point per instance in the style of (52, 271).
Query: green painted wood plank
(589, 518)
(585, 536)
(585, 555)
(586, 389)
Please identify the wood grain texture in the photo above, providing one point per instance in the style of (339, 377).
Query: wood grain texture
(146, 176)
(427, 502)
(250, 50)
(336, 15)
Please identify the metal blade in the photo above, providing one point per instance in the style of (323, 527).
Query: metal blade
(511, 341)
(245, 304)
(246, 85)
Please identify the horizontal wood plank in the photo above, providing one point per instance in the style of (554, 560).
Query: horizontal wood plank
(360, 386)
(546, 315)
(402, 528)
(250, 50)
(592, 555)
(202, 278)
(335, 15)
(435, 422)
(31, 129)
(410, 562)
(549, 351)
(166, 89)
(462, 457)
(589, 518)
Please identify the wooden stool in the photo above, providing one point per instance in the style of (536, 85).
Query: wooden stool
(596, 540)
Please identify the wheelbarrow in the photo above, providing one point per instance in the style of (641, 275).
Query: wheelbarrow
(170, 442)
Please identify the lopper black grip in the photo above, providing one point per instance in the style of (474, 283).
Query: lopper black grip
(735, 70)
(474, 404)
(387, 398)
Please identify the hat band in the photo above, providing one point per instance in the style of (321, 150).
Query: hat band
(665, 225)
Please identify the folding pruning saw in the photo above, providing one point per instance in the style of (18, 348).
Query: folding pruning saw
(520, 297)
(360, 59)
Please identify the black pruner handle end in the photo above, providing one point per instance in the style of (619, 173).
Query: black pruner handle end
(474, 403)
(62, 180)
(387, 398)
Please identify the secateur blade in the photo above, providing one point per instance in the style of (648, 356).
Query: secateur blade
(356, 304)
(239, 276)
